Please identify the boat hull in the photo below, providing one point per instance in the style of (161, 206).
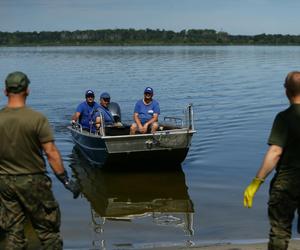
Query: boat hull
(148, 149)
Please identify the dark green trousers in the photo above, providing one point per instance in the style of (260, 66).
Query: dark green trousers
(283, 203)
(29, 196)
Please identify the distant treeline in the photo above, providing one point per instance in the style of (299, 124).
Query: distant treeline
(142, 37)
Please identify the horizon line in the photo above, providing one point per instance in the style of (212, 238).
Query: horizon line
(152, 29)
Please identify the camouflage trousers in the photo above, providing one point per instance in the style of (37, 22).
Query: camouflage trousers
(29, 196)
(284, 201)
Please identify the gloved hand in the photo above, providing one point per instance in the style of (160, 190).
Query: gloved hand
(69, 184)
(251, 190)
(73, 187)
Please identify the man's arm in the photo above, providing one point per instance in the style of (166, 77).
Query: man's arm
(98, 122)
(57, 166)
(153, 119)
(137, 119)
(53, 157)
(142, 129)
(270, 161)
(76, 116)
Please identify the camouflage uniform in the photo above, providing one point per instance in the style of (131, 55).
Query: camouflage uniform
(283, 202)
(29, 196)
(284, 189)
(25, 189)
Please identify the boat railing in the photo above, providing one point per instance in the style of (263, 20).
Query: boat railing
(77, 126)
(189, 117)
(171, 122)
(168, 123)
(175, 121)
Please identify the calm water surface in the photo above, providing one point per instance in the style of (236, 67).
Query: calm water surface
(236, 92)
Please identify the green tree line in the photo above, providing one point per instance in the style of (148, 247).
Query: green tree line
(142, 37)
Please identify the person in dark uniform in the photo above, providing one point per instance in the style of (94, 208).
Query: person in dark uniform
(25, 189)
(284, 155)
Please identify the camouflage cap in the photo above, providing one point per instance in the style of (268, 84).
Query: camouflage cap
(16, 82)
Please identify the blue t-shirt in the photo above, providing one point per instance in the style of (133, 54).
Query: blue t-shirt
(107, 116)
(87, 114)
(146, 112)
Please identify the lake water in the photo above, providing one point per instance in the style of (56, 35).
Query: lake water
(236, 92)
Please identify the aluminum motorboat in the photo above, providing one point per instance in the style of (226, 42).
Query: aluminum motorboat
(112, 145)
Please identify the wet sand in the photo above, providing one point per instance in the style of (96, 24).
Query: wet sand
(294, 245)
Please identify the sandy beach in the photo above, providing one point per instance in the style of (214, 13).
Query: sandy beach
(234, 245)
(294, 245)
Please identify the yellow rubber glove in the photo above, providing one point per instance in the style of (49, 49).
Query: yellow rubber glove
(251, 190)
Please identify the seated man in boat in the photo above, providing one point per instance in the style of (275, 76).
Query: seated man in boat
(146, 113)
(85, 112)
(106, 113)
(103, 109)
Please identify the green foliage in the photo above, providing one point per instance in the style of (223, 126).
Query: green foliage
(142, 37)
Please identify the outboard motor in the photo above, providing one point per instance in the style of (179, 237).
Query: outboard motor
(115, 110)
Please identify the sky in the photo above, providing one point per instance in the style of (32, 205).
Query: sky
(237, 17)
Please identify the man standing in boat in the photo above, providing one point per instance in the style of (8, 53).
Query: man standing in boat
(146, 112)
(25, 189)
(85, 112)
(283, 154)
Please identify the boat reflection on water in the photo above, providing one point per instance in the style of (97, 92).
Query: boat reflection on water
(117, 195)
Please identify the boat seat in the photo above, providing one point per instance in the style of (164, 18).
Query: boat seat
(166, 126)
(111, 131)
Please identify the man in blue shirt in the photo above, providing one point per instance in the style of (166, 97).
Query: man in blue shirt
(85, 111)
(146, 113)
(103, 109)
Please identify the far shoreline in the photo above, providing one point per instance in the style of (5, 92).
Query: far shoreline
(148, 45)
(143, 37)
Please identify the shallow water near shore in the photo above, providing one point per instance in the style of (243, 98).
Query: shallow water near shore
(236, 91)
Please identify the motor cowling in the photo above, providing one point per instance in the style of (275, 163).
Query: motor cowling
(115, 110)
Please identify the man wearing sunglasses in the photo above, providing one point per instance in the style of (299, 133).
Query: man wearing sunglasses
(146, 113)
(85, 111)
(103, 108)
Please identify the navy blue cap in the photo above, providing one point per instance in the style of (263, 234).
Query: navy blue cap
(89, 93)
(148, 90)
(104, 95)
